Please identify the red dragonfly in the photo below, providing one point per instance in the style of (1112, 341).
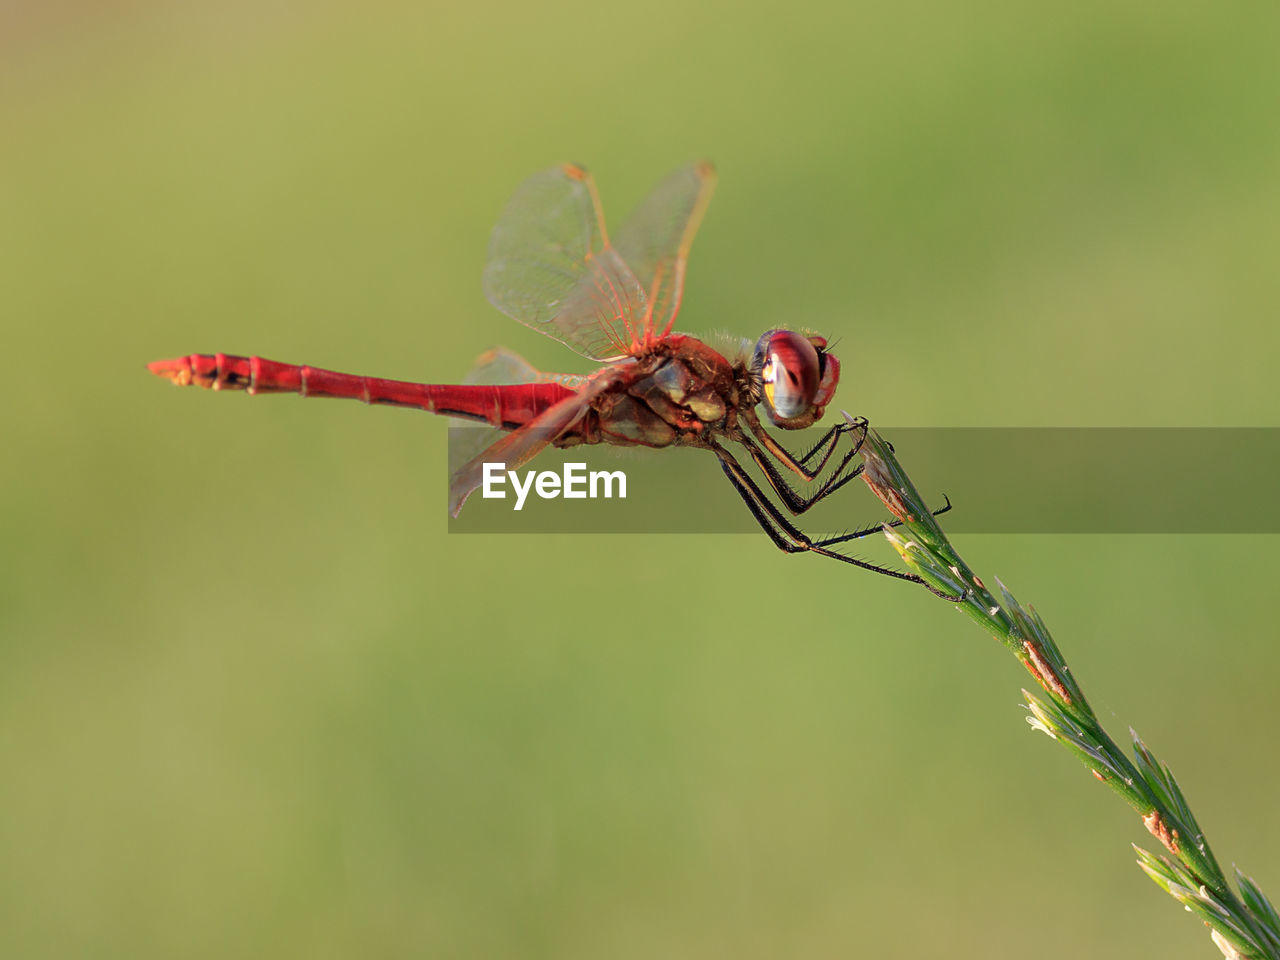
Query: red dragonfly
(553, 266)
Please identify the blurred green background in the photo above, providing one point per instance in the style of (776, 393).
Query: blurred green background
(255, 702)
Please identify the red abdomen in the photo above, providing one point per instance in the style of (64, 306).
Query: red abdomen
(506, 405)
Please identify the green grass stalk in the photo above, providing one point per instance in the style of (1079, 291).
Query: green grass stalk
(1243, 925)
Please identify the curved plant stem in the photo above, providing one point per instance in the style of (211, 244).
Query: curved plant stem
(1241, 925)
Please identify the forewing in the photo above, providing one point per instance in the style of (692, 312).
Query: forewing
(655, 241)
(551, 267)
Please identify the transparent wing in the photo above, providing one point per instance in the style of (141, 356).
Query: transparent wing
(517, 448)
(551, 267)
(655, 241)
(497, 366)
(500, 365)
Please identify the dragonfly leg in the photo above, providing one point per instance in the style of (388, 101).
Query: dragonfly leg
(789, 538)
(799, 465)
(858, 423)
(798, 504)
(793, 501)
(859, 534)
(828, 441)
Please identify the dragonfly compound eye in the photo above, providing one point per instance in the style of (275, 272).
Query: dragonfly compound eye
(790, 374)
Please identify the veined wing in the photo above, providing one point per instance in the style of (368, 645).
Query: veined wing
(500, 365)
(655, 241)
(517, 448)
(551, 267)
(496, 367)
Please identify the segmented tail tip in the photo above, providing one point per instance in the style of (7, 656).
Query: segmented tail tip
(178, 370)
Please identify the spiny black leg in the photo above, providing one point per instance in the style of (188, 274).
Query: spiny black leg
(785, 536)
(790, 539)
(829, 441)
(829, 437)
(793, 501)
(864, 531)
(736, 478)
(846, 426)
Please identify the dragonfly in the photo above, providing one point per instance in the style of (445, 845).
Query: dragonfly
(553, 266)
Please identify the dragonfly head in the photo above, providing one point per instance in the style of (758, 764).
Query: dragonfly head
(796, 375)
